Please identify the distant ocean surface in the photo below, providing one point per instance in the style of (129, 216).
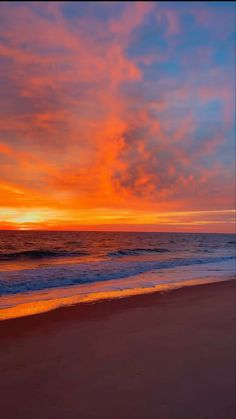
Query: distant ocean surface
(40, 271)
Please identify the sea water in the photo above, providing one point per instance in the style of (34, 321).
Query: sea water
(43, 270)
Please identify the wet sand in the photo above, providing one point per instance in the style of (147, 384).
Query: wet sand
(164, 356)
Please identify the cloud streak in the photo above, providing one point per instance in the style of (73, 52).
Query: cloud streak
(121, 107)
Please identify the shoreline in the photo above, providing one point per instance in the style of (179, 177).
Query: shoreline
(115, 303)
(36, 302)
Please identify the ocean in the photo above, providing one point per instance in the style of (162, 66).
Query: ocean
(41, 270)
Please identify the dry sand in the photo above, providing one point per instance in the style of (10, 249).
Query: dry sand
(169, 356)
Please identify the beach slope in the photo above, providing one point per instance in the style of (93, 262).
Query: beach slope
(164, 356)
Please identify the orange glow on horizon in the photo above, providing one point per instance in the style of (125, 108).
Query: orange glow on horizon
(115, 220)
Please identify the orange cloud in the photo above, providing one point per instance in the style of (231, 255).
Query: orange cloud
(86, 134)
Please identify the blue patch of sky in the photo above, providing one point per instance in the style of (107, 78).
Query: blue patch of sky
(97, 10)
(147, 38)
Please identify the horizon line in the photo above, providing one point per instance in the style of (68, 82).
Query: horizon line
(114, 231)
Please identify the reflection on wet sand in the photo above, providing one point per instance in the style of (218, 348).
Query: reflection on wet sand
(35, 303)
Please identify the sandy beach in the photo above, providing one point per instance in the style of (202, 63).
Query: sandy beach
(165, 356)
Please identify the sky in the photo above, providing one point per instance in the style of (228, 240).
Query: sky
(117, 116)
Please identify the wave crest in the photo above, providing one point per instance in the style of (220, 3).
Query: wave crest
(39, 254)
(137, 251)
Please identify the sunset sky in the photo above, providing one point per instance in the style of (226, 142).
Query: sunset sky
(117, 116)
